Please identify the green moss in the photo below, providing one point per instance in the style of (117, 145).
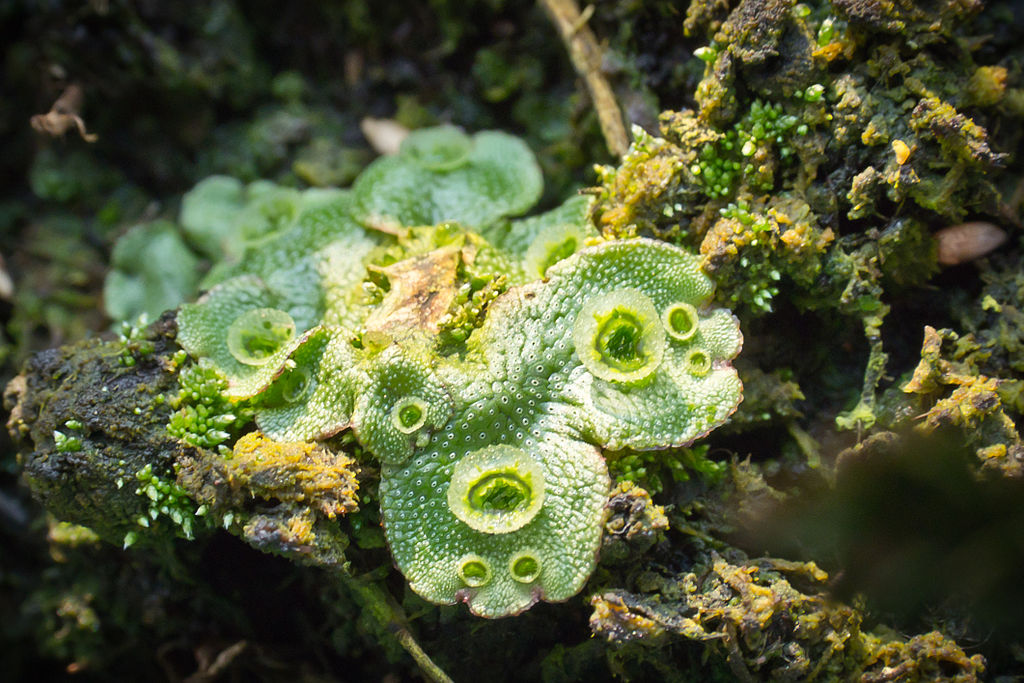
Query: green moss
(71, 177)
(66, 444)
(94, 422)
(770, 615)
(657, 472)
(845, 121)
(165, 498)
(952, 392)
(202, 414)
(746, 152)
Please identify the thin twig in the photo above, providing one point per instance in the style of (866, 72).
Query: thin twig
(372, 597)
(586, 58)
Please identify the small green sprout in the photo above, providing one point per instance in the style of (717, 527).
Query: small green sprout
(737, 155)
(741, 212)
(133, 340)
(202, 414)
(166, 499)
(826, 31)
(706, 54)
(813, 93)
(65, 443)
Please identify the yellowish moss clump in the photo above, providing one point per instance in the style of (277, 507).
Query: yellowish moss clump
(950, 393)
(306, 473)
(772, 620)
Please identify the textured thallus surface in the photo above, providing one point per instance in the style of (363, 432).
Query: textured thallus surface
(298, 272)
(572, 357)
(499, 177)
(314, 399)
(523, 384)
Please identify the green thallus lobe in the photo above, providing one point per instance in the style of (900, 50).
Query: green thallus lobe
(492, 484)
(552, 244)
(438, 149)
